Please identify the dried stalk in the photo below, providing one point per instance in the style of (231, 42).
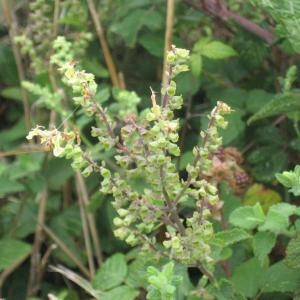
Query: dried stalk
(91, 221)
(12, 28)
(168, 39)
(67, 251)
(106, 52)
(85, 229)
(35, 273)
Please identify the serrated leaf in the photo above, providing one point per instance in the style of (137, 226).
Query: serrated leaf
(263, 243)
(280, 278)
(277, 219)
(123, 292)
(232, 236)
(217, 50)
(196, 64)
(112, 273)
(281, 104)
(293, 253)
(12, 251)
(247, 217)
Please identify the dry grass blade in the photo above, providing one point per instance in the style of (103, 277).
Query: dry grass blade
(83, 283)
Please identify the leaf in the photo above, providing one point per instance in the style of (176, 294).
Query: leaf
(247, 217)
(196, 64)
(280, 278)
(153, 43)
(10, 186)
(247, 277)
(277, 219)
(232, 236)
(281, 104)
(13, 93)
(123, 292)
(264, 165)
(292, 259)
(256, 99)
(217, 50)
(265, 196)
(263, 243)
(129, 27)
(112, 273)
(235, 128)
(11, 252)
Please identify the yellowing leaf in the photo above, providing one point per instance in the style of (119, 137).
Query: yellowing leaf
(258, 193)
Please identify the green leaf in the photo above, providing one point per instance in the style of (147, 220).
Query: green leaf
(129, 27)
(10, 186)
(277, 219)
(196, 64)
(112, 273)
(293, 253)
(247, 277)
(12, 251)
(256, 99)
(235, 128)
(263, 243)
(247, 217)
(217, 50)
(123, 292)
(280, 278)
(13, 93)
(281, 104)
(232, 236)
(153, 43)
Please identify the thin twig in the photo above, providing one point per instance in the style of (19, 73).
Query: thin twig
(67, 251)
(218, 9)
(168, 39)
(106, 52)
(12, 28)
(85, 230)
(35, 275)
(91, 221)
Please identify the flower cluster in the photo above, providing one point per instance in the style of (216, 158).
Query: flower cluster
(147, 189)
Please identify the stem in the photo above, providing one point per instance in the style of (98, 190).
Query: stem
(197, 157)
(207, 273)
(168, 38)
(219, 10)
(106, 52)
(12, 28)
(170, 204)
(85, 229)
(35, 273)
